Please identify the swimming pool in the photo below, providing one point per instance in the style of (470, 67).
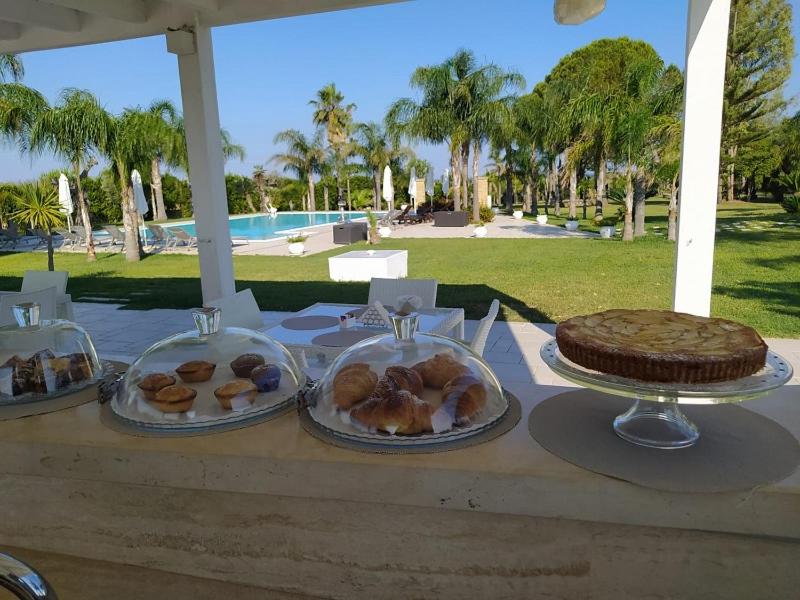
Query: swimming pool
(265, 227)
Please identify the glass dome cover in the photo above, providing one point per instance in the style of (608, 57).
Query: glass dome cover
(43, 359)
(208, 376)
(407, 385)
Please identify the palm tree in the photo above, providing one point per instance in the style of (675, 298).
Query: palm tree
(167, 145)
(303, 157)
(231, 149)
(337, 119)
(74, 129)
(260, 178)
(377, 149)
(11, 66)
(38, 207)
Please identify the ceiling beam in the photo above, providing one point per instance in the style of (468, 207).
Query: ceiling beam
(39, 14)
(210, 5)
(10, 31)
(130, 11)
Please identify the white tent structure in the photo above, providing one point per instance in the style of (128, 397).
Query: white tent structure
(388, 187)
(27, 25)
(65, 198)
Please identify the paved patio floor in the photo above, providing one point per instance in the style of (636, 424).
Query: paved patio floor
(512, 348)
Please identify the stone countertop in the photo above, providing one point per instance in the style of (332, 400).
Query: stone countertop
(510, 475)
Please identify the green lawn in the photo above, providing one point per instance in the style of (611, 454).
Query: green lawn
(756, 280)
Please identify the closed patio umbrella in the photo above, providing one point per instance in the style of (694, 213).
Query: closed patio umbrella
(446, 181)
(429, 182)
(388, 187)
(139, 199)
(65, 198)
(412, 187)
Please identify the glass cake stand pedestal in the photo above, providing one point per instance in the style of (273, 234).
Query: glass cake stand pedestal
(655, 419)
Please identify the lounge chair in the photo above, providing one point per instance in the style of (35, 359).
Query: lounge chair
(41, 238)
(12, 236)
(400, 218)
(67, 237)
(80, 231)
(117, 235)
(182, 237)
(157, 236)
(388, 219)
(386, 291)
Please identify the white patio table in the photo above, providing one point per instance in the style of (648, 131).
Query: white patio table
(443, 321)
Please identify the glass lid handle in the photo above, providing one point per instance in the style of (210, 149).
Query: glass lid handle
(404, 325)
(26, 314)
(207, 320)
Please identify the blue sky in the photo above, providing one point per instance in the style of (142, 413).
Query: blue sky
(267, 71)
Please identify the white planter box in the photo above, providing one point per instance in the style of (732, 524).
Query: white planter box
(541, 219)
(363, 265)
(481, 231)
(517, 214)
(297, 248)
(607, 232)
(571, 225)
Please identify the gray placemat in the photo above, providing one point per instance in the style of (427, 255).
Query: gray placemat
(503, 425)
(737, 450)
(310, 322)
(343, 338)
(43, 407)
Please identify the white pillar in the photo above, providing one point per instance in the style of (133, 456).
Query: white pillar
(706, 46)
(206, 164)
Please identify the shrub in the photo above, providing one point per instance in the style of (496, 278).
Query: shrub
(487, 214)
(608, 222)
(572, 218)
(297, 239)
(791, 204)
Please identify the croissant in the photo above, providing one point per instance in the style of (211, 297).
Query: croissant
(438, 370)
(398, 412)
(405, 379)
(467, 394)
(352, 384)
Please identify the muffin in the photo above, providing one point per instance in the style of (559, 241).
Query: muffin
(242, 366)
(236, 393)
(154, 382)
(174, 399)
(266, 378)
(195, 371)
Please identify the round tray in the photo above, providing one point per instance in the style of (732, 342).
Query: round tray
(655, 420)
(385, 443)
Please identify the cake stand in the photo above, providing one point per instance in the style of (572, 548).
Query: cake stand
(655, 419)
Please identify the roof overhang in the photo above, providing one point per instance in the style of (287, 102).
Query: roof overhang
(27, 25)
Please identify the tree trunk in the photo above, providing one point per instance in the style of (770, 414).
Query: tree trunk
(600, 201)
(262, 197)
(627, 230)
(50, 264)
(732, 174)
(672, 217)
(639, 190)
(312, 195)
(455, 164)
(376, 185)
(556, 188)
(159, 210)
(249, 201)
(349, 199)
(573, 191)
(326, 198)
(465, 173)
(84, 212)
(476, 159)
(528, 197)
(130, 220)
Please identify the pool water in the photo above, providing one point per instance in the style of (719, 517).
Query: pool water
(265, 227)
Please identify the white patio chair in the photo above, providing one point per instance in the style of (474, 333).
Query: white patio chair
(239, 310)
(46, 299)
(478, 342)
(33, 281)
(386, 291)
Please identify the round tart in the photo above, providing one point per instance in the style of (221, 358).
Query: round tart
(663, 346)
(196, 371)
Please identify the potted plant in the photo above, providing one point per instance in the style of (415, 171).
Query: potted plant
(373, 235)
(297, 244)
(480, 229)
(541, 219)
(608, 227)
(517, 214)
(571, 224)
